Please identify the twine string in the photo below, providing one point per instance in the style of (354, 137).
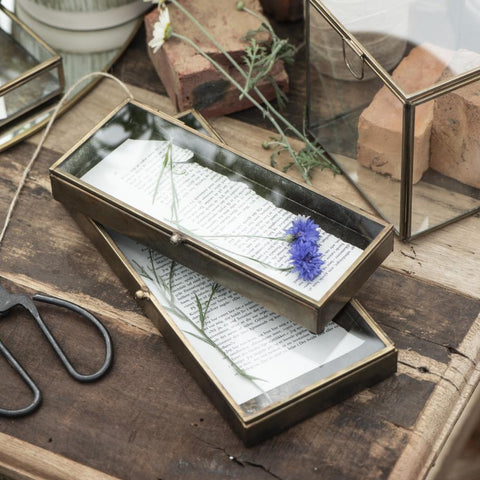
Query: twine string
(31, 162)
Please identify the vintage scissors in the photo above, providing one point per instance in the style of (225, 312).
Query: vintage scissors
(8, 301)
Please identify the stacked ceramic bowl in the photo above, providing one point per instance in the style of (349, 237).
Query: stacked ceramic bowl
(82, 26)
(88, 34)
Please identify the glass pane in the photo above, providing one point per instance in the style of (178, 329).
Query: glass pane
(29, 95)
(446, 161)
(20, 53)
(359, 120)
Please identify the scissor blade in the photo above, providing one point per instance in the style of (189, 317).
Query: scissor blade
(10, 300)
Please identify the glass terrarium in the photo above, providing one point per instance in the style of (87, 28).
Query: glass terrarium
(394, 97)
(31, 72)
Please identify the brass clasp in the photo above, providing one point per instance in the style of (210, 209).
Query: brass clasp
(359, 53)
(176, 238)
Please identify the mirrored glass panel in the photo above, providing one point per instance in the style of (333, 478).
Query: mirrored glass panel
(446, 158)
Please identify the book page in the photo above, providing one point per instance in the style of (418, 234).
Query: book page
(3, 109)
(248, 348)
(227, 215)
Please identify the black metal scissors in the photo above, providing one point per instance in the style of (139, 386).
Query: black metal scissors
(7, 302)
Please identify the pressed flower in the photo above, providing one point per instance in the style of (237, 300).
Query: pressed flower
(306, 260)
(162, 29)
(305, 256)
(304, 229)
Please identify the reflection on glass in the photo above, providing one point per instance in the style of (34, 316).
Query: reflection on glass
(132, 122)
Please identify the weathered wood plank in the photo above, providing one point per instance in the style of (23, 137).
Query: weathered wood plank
(126, 404)
(449, 257)
(459, 460)
(71, 258)
(20, 460)
(148, 403)
(442, 412)
(418, 316)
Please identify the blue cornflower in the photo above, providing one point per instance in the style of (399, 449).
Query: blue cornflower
(306, 259)
(303, 228)
(305, 256)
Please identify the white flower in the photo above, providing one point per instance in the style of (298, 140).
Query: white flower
(161, 29)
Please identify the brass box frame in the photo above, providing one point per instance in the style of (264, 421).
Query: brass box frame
(377, 236)
(255, 427)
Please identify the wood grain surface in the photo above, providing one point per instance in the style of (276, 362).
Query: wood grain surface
(148, 419)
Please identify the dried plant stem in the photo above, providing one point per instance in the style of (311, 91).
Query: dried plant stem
(266, 112)
(199, 330)
(267, 108)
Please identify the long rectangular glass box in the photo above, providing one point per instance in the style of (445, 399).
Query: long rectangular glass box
(393, 88)
(31, 73)
(263, 372)
(152, 178)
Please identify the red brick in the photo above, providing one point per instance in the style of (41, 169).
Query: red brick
(380, 125)
(456, 126)
(190, 80)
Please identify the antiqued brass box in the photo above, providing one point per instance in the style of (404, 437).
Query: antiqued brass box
(207, 206)
(31, 72)
(263, 372)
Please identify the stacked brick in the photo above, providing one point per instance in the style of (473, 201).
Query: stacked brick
(190, 80)
(447, 130)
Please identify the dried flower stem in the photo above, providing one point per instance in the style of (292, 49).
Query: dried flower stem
(267, 109)
(172, 306)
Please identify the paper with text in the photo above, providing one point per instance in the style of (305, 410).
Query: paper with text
(265, 345)
(227, 215)
(3, 109)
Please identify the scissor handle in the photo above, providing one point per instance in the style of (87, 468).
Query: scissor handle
(37, 396)
(64, 359)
